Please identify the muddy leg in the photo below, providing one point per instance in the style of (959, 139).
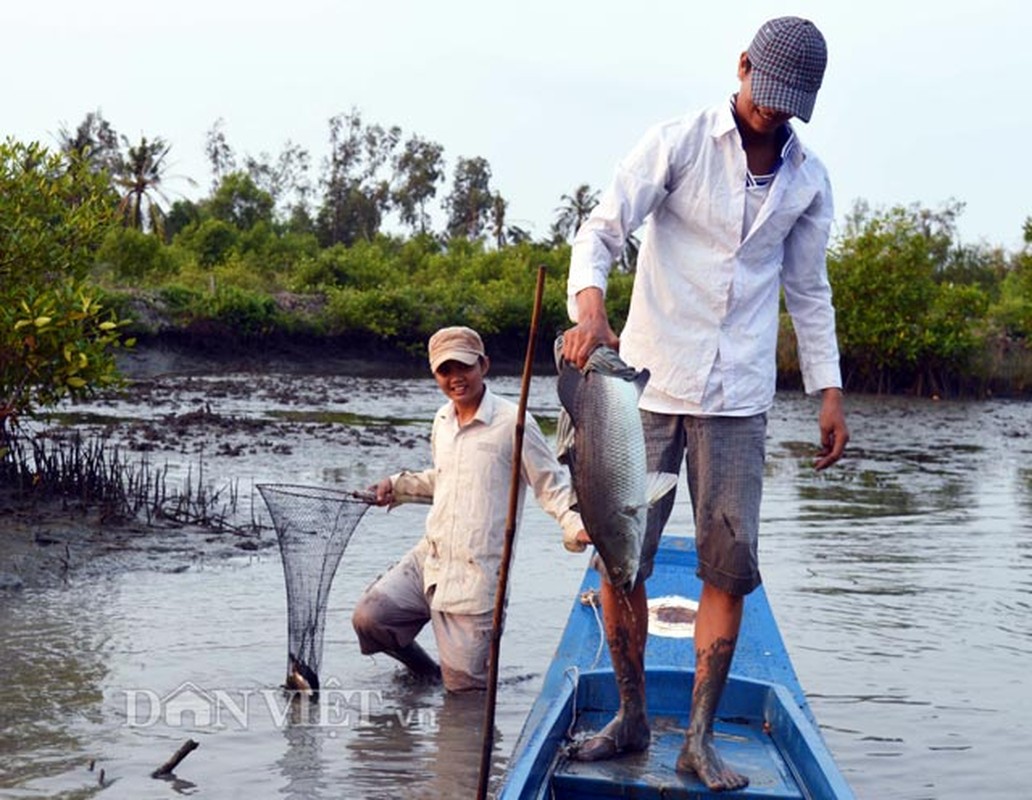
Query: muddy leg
(625, 616)
(716, 634)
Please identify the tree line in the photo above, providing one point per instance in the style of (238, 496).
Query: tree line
(369, 173)
(93, 254)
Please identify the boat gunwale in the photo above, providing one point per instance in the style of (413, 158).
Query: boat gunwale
(794, 730)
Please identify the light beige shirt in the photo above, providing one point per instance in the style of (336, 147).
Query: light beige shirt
(469, 484)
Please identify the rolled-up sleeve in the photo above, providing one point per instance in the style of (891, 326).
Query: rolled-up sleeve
(414, 484)
(548, 479)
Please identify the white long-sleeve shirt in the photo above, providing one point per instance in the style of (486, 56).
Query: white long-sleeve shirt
(469, 483)
(706, 292)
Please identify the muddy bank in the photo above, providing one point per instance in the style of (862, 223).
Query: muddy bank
(52, 544)
(220, 418)
(185, 352)
(182, 354)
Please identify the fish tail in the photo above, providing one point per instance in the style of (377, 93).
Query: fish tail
(657, 485)
(300, 676)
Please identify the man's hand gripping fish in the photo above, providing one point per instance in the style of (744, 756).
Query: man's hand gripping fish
(601, 441)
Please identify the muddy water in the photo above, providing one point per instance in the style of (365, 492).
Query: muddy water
(902, 582)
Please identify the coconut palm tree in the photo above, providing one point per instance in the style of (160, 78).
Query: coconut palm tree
(574, 210)
(498, 207)
(139, 181)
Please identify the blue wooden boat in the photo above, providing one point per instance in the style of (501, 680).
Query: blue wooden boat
(764, 726)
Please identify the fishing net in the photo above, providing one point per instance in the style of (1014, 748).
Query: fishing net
(313, 526)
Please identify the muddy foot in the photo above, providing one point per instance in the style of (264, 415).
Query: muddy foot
(618, 738)
(702, 759)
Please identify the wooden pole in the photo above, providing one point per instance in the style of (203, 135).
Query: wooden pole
(510, 536)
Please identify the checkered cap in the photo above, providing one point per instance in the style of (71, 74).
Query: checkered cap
(788, 56)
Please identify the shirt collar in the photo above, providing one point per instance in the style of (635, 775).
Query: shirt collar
(725, 121)
(725, 124)
(485, 411)
(793, 149)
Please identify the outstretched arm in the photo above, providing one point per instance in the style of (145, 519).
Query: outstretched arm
(834, 433)
(404, 487)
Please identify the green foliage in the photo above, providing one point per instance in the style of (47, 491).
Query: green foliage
(954, 325)
(419, 168)
(56, 339)
(574, 210)
(53, 214)
(242, 312)
(211, 240)
(61, 340)
(363, 265)
(228, 310)
(883, 278)
(262, 254)
(139, 177)
(1013, 311)
(276, 256)
(979, 265)
(179, 299)
(182, 213)
(93, 141)
(471, 199)
(357, 191)
(404, 292)
(240, 202)
(134, 257)
(904, 319)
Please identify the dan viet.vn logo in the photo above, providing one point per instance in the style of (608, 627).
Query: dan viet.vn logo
(191, 706)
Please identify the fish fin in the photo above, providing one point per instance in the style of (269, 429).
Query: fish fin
(567, 385)
(640, 380)
(564, 437)
(606, 360)
(657, 485)
(557, 352)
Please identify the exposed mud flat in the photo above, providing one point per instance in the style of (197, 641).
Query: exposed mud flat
(188, 415)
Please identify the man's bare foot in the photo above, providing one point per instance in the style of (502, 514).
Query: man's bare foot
(701, 757)
(619, 737)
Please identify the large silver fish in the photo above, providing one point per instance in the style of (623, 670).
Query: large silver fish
(600, 439)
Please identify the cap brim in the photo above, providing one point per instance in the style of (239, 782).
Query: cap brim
(769, 92)
(467, 357)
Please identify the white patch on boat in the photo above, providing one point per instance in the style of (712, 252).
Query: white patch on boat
(672, 615)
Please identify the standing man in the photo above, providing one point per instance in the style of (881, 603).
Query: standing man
(735, 210)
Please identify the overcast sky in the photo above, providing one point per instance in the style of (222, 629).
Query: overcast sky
(922, 101)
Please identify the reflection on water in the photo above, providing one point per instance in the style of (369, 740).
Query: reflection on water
(54, 670)
(901, 581)
(906, 572)
(437, 758)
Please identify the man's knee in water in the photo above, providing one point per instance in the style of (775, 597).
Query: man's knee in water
(372, 638)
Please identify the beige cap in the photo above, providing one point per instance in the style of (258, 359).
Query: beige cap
(457, 343)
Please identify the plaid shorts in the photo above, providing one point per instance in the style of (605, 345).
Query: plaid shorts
(724, 459)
